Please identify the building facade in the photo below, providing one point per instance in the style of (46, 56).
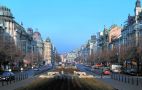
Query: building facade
(16, 34)
(38, 48)
(48, 51)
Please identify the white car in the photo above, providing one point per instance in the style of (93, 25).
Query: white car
(116, 68)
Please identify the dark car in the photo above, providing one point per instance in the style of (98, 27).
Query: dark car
(133, 72)
(36, 69)
(7, 75)
(130, 71)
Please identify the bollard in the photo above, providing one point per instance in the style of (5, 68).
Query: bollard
(132, 81)
(27, 75)
(114, 76)
(14, 79)
(128, 79)
(23, 76)
(20, 77)
(2, 83)
(10, 80)
(101, 75)
(7, 82)
(111, 75)
(125, 79)
(137, 81)
(118, 77)
(122, 78)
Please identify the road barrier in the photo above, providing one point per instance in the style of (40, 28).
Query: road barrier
(18, 77)
(134, 80)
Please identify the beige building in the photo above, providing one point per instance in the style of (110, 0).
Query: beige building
(114, 33)
(12, 30)
(47, 51)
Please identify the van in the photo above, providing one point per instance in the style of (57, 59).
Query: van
(116, 68)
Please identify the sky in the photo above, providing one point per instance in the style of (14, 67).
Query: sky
(69, 23)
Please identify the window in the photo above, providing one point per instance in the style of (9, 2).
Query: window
(1, 13)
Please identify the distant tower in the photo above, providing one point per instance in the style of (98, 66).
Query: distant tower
(138, 9)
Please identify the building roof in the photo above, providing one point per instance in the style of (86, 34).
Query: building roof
(138, 3)
(4, 11)
(48, 39)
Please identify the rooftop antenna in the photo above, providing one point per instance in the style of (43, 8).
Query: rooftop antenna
(21, 23)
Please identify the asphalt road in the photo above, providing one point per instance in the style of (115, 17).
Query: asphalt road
(119, 85)
(96, 73)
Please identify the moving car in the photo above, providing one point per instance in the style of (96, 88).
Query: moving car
(7, 75)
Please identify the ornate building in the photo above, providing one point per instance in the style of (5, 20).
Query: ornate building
(138, 9)
(14, 32)
(38, 47)
(132, 30)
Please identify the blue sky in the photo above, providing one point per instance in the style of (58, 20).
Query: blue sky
(69, 23)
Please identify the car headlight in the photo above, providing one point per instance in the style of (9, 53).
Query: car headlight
(6, 77)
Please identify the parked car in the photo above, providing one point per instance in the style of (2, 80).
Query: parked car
(106, 72)
(126, 71)
(7, 75)
(36, 69)
(97, 66)
(116, 68)
(130, 71)
(133, 72)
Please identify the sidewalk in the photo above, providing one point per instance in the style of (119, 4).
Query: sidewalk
(119, 85)
(16, 85)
